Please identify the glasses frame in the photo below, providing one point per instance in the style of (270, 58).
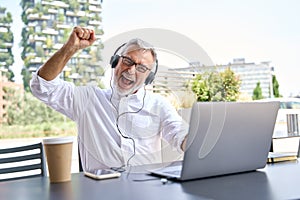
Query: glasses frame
(139, 67)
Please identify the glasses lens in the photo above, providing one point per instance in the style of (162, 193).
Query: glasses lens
(127, 61)
(141, 68)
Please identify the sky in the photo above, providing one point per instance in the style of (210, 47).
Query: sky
(256, 30)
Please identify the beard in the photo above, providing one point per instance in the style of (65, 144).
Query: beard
(122, 91)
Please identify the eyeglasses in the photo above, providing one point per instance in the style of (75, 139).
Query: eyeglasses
(129, 62)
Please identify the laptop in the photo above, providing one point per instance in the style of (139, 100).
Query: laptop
(225, 138)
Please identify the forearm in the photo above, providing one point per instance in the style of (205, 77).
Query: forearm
(80, 38)
(54, 66)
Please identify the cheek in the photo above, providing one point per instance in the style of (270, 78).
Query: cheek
(141, 78)
(117, 72)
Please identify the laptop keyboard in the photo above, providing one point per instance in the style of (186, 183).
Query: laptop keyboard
(171, 171)
(177, 172)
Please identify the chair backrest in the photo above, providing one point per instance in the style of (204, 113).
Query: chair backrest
(22, 162)
(79, 161)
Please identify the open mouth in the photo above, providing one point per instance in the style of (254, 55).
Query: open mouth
(126, 81)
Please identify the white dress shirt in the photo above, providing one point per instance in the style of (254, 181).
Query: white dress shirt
(143, 119)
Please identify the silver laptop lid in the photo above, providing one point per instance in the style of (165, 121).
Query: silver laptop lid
(228, 137)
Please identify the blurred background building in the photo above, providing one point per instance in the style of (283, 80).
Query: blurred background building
(48, 24)
(249, 74)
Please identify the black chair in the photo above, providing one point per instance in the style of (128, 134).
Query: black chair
(79, 161)
(22, 162)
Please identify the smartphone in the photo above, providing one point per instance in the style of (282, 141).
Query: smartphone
(100, 174)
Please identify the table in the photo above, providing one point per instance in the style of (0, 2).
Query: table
(275, 181)
(286, 140)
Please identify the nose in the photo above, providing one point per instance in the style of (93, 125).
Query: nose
(131, 69)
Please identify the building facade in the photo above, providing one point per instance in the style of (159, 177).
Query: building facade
(48, 24)
(6, 43)
(249, 74)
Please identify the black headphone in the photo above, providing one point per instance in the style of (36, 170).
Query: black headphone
(115, 59)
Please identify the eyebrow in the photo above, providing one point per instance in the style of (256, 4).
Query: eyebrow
(133, 60)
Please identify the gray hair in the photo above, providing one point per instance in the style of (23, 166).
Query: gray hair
(139, 44)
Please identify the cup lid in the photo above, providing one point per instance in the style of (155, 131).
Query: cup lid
(58, 140)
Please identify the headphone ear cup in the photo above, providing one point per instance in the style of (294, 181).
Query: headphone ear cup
(150, 78)
(114, 60)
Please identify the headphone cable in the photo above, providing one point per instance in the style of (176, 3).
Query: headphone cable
(119, 115)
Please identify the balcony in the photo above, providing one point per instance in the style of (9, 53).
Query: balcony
(38, 16)
(30, 54)
(7, 45)
(95, 22)
(57, 46)
(32, 24)
(63, 26)
(32, 69)
(29, 10)
(56, 4)
(84, 56)
(39, 38)
(77, 14)
(36, 60)
(50, 31)
(95, 9)
(94, 2)
(6, 25)
(52, 11)
(3, 30)
(75, 76)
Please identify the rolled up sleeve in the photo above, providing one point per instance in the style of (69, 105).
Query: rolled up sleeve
(174, 128)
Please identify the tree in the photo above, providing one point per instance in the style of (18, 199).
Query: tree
(200, 88)
(216, 86)
(26, 116)
(275, 87)
(257, 92)
(231, 84)
(25, 109)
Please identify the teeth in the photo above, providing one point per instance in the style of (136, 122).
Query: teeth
(128, 78)
(127, 81)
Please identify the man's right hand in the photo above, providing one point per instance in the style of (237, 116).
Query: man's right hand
(81, 38)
